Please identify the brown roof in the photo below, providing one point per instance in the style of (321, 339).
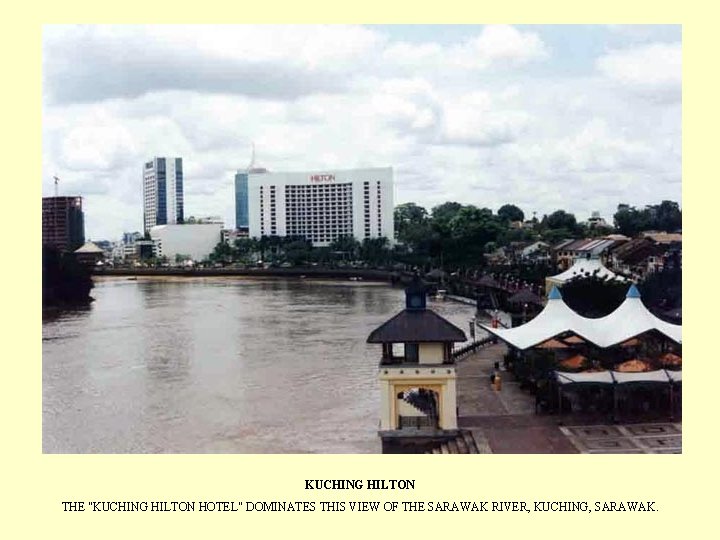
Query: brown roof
(663, 237)
(416, 326)
(637, 250)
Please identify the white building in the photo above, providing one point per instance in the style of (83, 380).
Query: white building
(163, 201)
(322, 205)
(197, 241)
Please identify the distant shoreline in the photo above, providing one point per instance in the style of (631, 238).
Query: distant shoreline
(298, 273)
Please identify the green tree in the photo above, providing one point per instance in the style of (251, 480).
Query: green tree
(471, 229)
(560, 219)
(64, 280)
(375, 250)
(510, 212)
(592, 296)
(245, 248)
(668, 216)
(630, 221)
(222, 253)
(345, 245)
(297, 250)
(409, 217)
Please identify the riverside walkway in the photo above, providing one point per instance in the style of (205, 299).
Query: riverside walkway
(503, 421)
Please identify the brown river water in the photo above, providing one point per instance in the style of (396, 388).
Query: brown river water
(219, 365)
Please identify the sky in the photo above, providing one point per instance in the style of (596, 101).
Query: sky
(579, 118)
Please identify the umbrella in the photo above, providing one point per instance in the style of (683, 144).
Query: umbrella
(574, 340)
(634, 366)
(632, 342)
(671, 360)
(574, 362)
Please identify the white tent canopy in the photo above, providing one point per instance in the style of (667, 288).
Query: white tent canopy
(619, 377)
(593, 377)
(581, 267)
(629, 320)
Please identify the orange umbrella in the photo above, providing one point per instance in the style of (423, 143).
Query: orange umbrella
(574, 340)
(574, 362)
(634, 366)
(552, 344)
(670, 359)
(632, 342)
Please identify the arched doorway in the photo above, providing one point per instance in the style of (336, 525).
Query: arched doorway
(418, 408)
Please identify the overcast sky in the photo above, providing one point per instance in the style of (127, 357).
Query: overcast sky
(545, 117)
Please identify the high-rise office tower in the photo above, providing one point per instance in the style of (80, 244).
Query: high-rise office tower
(162, 192)
(63, 223)
(242, 214)
(241, 200)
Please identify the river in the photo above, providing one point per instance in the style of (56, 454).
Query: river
(219, 365)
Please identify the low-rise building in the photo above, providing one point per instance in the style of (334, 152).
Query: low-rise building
(89, 254)
(595, 220)
(196, 241)
(642, 256)
(567, 251)
(230, 235)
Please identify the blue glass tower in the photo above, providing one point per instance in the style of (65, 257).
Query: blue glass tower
(241, 200)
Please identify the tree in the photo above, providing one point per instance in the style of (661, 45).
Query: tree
(592, 296)
(510, 212)
(297, 250)
(630, 221)
(244, 248)
(346, 245)
(375, 250)
(560, 219)
(222, 253)
(668, 216)
(662, 291)
(408, 218)
(471, 229)
(64, 280)
(443, 214)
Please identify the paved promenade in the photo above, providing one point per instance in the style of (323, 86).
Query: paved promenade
(505, 422)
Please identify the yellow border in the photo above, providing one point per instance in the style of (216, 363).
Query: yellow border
(34, 484)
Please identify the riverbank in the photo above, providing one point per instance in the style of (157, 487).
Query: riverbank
(299, 273)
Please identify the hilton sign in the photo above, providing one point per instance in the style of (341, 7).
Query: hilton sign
(321, 178)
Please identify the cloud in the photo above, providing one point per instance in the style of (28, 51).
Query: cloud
(458, 120)
(475, 120)
(500, 44)
(83, 64)
(497, 46)
(652, 71)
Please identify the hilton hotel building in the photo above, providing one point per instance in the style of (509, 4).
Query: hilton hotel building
(322, 205)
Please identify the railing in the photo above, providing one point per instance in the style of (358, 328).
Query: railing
(472, 347)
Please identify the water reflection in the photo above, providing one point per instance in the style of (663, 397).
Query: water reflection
(218, 365)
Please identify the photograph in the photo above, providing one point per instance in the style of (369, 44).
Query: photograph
(362, 239)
